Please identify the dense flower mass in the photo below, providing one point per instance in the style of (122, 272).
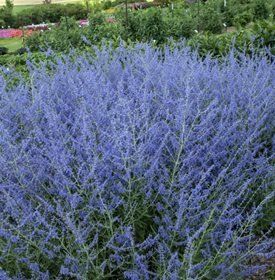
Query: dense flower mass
(137, 164)
(11, 33)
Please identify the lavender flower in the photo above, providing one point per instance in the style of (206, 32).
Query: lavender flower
(136, 164)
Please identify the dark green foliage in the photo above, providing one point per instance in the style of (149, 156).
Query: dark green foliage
(260, 9)
(159, 25)
(68, 35)
(3, 50)
(210, 20)
(156, 24)
(180, 25)
(242, 19)
(107, 5)
(49, 13)
(232, 9)
(6, 16)
(61, 38)
(101, 30)
(264, 34)
(152, 25)
(240, 13)
(96, 19)
(21, 51)
(145, 25)
(259, 36)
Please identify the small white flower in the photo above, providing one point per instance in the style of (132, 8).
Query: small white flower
(196, 31)
(224, 25)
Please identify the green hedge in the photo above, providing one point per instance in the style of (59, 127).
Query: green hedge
(49, 13)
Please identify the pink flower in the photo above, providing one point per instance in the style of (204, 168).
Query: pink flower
(10, 33)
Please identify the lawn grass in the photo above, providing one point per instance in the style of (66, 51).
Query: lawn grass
(20, 5)
(19, 8)
(35, 2)
(12, 44)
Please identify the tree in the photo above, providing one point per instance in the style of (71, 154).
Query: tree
(9, 5)
(87, 5)
(6, 13)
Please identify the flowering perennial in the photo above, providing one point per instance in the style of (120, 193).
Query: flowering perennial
(11, 33)
(137, 164)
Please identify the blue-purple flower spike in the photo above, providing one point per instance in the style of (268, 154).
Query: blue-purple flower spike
(137, 164)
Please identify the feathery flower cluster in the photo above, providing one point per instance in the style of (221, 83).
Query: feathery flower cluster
(136, 164)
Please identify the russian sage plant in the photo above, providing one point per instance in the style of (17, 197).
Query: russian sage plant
(137, 164)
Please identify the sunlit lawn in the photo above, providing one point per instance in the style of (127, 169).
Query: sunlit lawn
(18, 8)
(12, 44)
(35, 2)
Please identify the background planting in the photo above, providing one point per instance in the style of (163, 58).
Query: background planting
(137, 164)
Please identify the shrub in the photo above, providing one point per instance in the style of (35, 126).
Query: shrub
(50, 13)
(21, 51)
(107, 33)
(154, 26)
(96, 19)
(179, 25)
(242, 19)
(210, 20)
(145, 25)
(61, 38)
(233, 8)
(68, 35)
(107, 5)
(260, 9)
(6, 16)
(3, 50)
(11, 60)
(255, 39)
(136, 164)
